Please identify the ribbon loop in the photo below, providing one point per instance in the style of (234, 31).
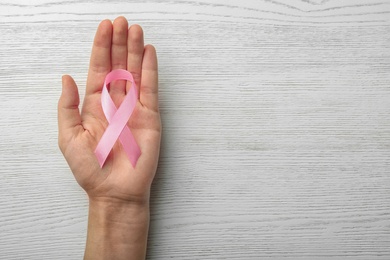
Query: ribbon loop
(117, 119)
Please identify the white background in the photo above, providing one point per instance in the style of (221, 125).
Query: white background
(276, 117)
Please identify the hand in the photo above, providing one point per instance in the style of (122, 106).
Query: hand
(115, 47)
(118, 219)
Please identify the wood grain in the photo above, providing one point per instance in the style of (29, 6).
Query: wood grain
(276, 138)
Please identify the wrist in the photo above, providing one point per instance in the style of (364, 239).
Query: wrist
(117, 229)
(112, 211)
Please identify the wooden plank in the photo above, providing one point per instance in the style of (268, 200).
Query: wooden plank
(276, 138)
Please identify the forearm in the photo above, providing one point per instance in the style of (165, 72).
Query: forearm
(117, 230)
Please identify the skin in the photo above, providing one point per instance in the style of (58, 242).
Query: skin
(118, 194)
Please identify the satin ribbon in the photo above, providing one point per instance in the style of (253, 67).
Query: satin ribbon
(117, 119)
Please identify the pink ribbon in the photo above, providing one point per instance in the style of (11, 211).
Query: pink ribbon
(117, 119)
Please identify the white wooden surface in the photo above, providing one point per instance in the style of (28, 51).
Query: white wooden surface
(276, 127)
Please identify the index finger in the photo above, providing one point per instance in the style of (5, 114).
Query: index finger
(100, 62)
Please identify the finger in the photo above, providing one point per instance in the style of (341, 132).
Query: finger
(119, 54)
(149, 80)
(68, 107)
(135, 50)
(100, 63)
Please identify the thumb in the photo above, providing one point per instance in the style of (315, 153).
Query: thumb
(68, 108)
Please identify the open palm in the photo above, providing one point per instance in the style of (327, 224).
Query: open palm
(115, 47)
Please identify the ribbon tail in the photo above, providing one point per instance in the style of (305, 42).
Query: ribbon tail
(130, 146)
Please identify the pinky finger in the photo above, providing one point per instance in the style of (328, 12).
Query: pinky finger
(149, 79)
